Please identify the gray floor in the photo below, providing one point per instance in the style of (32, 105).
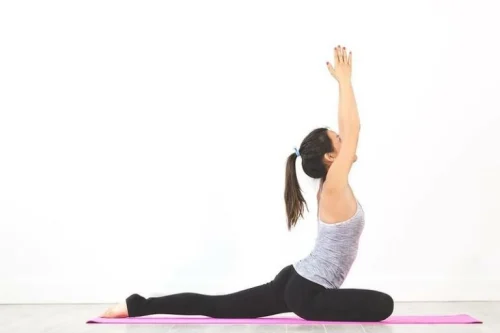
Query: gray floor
(72, 318)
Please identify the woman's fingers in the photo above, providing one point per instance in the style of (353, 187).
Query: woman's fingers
(340, 55)
(350, 58)
(330, 68)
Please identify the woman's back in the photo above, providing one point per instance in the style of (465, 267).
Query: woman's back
(336, 245)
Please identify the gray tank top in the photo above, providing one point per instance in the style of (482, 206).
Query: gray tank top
(334, 252)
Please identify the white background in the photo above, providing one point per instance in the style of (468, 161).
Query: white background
(143, 144)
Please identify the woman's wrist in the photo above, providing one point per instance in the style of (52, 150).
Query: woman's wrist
(344, 82)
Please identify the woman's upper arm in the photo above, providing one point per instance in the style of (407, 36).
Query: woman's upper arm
(338, 174)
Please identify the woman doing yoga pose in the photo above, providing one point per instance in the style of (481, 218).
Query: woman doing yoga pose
(309, 287)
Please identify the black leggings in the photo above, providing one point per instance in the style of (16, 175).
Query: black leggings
(288, 292)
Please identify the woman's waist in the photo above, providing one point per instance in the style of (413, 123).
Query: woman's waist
(332, 253)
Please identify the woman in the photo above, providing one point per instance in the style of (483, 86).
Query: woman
(309, 287)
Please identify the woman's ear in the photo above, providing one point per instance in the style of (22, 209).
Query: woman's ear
(330, 157)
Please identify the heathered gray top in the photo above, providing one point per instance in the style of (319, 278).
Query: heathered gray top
(334, 252)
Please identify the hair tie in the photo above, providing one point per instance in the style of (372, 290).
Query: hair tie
(297, 152)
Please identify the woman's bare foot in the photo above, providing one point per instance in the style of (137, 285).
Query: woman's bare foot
(117, 311)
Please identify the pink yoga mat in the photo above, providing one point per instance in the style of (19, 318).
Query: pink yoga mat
(453, 319)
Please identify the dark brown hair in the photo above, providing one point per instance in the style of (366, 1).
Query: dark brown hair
(311, 151)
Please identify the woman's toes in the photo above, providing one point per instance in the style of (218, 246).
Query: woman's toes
(105, 314)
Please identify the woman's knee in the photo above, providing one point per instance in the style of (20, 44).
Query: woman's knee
(384, 306)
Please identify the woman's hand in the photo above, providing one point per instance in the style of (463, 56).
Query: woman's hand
(343, 65)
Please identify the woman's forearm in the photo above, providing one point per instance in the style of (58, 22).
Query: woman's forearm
(348, 110)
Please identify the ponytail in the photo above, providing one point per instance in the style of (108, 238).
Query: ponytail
(294, 200)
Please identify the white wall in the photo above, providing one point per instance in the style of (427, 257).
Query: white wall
(143, 144)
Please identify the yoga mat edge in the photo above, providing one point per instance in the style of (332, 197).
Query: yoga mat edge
(446, 319)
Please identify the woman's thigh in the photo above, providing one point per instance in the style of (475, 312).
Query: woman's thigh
(312, 301)
(280, 281)
(350, 305)
(299, 293)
